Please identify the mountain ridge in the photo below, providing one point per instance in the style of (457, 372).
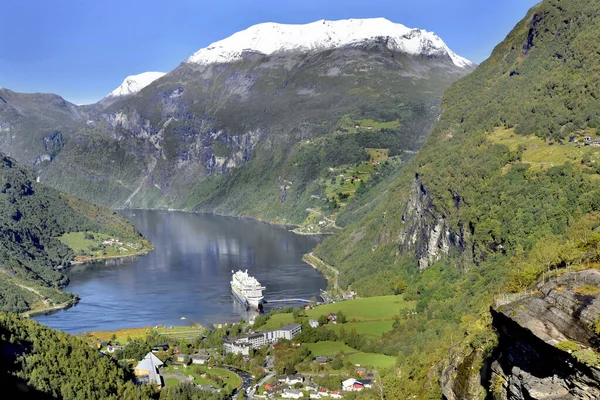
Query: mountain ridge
(270, 38)
(134, 83)
(198, 135)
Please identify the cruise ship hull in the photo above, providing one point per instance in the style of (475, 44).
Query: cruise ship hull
(244, 300)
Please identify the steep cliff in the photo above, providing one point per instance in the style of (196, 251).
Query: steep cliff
(548, 343)
(425, 232)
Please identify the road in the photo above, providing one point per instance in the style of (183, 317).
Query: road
(335, 271)
(250, 393)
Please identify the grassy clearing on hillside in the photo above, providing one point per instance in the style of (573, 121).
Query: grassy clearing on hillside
(121, 335)
(329, 348)
(182, 332)
(371, 329)
(377, 125)
(92, 244)
(372, 359)
(277, 320)
(371, 316)
(178, 332)
(377, 154)
(542, 155)
(366, 309)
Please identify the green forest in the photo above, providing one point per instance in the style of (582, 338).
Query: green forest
(32, 218)
(519, 220)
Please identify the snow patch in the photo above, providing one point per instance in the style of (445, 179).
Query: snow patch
(134, 83)
(269, 38)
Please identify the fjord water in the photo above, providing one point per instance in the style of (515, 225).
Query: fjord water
(188, 274)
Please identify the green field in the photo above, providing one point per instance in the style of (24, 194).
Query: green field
(377, 154)
(372, 359)
(229, 378)
(542, 155)
(277, 320)
(377, 125)
(350, 354)
(366, 309)
(371, 329)
(371, 316)
(182, 332)
(95, 247)
(329, 348)
(178, 332)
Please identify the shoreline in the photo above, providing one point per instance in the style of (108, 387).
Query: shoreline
(50, 309)
(106, 258)
(75, 299)
(289, 227)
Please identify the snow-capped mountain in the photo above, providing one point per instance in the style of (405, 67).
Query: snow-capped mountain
(269, 38)
(134, 83)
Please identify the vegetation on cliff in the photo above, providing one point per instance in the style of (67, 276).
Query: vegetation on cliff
(516, 195)
(39, 362)
(32, 220)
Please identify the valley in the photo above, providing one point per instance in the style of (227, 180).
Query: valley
(452, 211)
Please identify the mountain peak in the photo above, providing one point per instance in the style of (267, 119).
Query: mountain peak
(269, 38)
(134, 83)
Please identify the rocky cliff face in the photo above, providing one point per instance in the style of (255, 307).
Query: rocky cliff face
(426, 232)
(547, 347)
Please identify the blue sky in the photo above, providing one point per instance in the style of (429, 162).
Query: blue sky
(84, 49)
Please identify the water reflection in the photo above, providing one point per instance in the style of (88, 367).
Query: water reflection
(188, 274)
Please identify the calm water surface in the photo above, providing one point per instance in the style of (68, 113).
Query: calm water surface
(188, 274)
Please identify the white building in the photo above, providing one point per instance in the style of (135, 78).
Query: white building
(292, 394)
(260, 339)
(200, 359)
(313, 323)
(292, 379)
(236, 348)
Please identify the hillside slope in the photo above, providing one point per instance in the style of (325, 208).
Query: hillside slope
(37, 362)
(33, 221)
(504, 190)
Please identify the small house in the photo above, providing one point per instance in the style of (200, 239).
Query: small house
(292, 394)
(321, 359)
(313, 323)
(332, 317)
(335, 394)
(367, 383)
(352, 385)
(201, 359)
(293, 379)
(112, 348)
(101, 344)
(361, 371)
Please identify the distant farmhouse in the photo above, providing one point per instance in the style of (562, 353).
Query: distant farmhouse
(243, 344)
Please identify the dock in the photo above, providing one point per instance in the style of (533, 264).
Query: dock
(286, 301)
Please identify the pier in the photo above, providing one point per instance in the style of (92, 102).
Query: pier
(286, 301)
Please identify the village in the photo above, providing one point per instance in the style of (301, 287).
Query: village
(291, 353)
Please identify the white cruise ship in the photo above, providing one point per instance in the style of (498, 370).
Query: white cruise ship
(247, 289)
